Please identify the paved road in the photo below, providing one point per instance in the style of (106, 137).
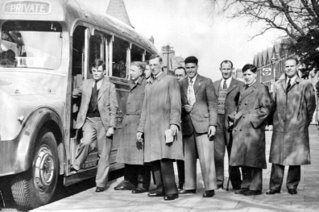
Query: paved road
(110, 200)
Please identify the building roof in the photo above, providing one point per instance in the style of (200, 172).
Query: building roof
(117, 9)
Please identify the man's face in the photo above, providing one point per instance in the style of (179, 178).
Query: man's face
(179, 74)
(135, 72)
(98, 73)
(226, 69)
(291, 68)
(249, 77)
(155, 66)
(147, 71)
(191, 69)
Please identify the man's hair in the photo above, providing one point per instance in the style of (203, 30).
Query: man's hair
(154, 56)
(139, 64)
(293, 58)
(250, 67)
(180, 67)
(97, 63)
(226, 61)
(191, 59)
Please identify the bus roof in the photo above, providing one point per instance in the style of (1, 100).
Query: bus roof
(70, 11)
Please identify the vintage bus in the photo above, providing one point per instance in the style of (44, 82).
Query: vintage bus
(46, 50)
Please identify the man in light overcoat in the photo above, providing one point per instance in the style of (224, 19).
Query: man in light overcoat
(294, 100)
(160, 124)
(199, 102)
(228, 94)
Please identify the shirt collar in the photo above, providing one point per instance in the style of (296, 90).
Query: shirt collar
(228, 81)
(193, 79)
(292, 79)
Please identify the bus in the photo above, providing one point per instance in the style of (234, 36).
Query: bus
(46, 50)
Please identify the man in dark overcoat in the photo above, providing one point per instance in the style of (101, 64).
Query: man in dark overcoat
(228, 94)
(294, 100)
(199, 103)
(160, 124)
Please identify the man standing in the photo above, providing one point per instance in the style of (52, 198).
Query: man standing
(199, 101)
(294, 100)
(97, 119)
(228, 94)
(160, 124)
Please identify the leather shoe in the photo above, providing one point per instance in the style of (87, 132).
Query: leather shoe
(189, 191)
(139, 190)
(272, 191)
(292, 191)
(155, 194)
(252, 192)
(241, 191)
(209, 193)
(170, 196)
(99, 189)
(125, 185)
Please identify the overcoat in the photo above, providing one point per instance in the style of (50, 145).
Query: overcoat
(128, 153)
(254, 107)
(107, 103)
(161, 108)
(293, 113)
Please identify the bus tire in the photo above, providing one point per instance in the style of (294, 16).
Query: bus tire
(36, 186)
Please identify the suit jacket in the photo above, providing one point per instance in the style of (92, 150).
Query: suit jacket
(204, 112)
(107, 103)
(232, 97)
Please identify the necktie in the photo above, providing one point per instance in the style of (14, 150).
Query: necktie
(94, 97)
(224, 85)
(190, 93)
(288, 85)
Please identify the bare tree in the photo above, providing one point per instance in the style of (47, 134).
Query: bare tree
(299, 19)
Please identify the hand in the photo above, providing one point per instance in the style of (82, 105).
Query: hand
(211, 131)
(110, 132)
(188, 108)
(76, 92)
(139, 136)
(174, 129)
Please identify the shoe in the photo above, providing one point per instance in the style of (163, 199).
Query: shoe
(272, 191)
(209, 193)
(74, 169)
(155, 194)
(187, 191)
(139, 190)
(292, 191)
(252, 192)
(180, 185)
(220, 187)
(241, 191)
(99, 189)
(170, 196)
(125, 185)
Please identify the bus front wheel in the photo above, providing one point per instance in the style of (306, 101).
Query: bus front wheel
(37, 186)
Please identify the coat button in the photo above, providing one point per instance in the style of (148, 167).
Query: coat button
(240, 130)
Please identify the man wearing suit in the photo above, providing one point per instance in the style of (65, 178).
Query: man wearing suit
(228, 93)
(199, 101)
(97, 120)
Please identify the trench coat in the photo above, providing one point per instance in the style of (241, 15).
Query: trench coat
(128, 153)
(292, 115)
(254, 106)
(161, 108)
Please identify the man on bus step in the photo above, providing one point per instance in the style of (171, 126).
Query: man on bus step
(97, 120)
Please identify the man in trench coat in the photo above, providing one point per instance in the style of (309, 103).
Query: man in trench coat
(227, 90)
(294, 100)
(199, 103)
(160, 120)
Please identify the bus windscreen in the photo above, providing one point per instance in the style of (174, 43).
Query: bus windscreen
(30, 44)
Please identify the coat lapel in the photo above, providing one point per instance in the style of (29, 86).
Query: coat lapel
(247, 91)
(102, 88)
(217, 85)
(197, 83)
(232, 86)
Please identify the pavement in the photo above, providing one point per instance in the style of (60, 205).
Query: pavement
(306, 200)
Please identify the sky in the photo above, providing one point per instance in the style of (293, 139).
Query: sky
(193, 27)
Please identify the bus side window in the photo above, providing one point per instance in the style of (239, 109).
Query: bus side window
(119, 58)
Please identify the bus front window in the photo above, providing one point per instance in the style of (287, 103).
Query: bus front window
(31, 44)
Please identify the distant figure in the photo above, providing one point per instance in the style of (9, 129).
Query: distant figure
(227, 90)
(136, 175)
(199, 102)
(249, 121)
(147, 72)
(294, 106)
(97, 118)
(160, 124)
(180, 73)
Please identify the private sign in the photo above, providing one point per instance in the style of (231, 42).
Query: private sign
(30, 7)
